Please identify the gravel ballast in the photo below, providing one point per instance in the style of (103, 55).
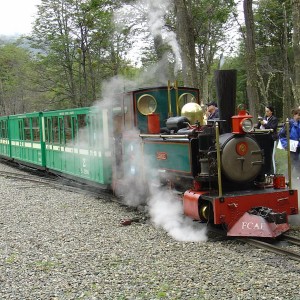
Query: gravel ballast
(56, 244)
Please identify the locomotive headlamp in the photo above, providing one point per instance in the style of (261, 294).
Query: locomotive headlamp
(247, 125)
(242, 122)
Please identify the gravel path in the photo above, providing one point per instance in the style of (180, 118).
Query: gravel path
(62, 245)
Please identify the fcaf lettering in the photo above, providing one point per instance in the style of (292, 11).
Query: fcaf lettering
(251, 225)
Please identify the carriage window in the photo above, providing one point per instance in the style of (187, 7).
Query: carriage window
(21, 129)
(48, 130)
(67, 125)
(3, 129)
(35, 129)
(128, 112)
(74, 129)
(61, 131)
(94, 130)
(83, 135)
(55, 130)
(27, 129)
(81, 121)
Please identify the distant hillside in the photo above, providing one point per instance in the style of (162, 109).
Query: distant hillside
(4, 39)
(19, 40)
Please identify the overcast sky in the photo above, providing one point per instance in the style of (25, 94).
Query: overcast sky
(16, 16)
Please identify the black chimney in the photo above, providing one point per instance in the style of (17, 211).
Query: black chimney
(226, 93)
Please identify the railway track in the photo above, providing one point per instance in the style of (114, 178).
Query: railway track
(286, 245)
(56, 182)
(279, 246)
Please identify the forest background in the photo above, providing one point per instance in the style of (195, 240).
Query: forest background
(77, 46)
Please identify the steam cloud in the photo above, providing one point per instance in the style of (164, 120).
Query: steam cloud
(141, 186)
(153, 13)
(166, 212)
(164, 208)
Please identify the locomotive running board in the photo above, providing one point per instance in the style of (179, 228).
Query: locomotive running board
(256, 226)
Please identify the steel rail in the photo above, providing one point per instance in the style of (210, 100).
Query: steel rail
(291, 239)
(66, 185)
(272, 248)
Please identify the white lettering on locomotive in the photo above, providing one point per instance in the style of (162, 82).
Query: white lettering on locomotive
(251, 225)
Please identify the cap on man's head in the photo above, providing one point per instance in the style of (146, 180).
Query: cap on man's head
(212, 103)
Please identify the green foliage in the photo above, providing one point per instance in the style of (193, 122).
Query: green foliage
(79, 44)
(270, 28)
(78, 49)
(14, 78)
(269, 38)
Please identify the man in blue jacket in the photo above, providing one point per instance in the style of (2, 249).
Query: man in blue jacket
(294, 124)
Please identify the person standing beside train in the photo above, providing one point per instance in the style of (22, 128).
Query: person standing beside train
(269, 121)
(294, 124)
(212, 111)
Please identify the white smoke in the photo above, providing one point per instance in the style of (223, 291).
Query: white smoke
(150, 14)
(166, 211)
(139, 183)
(141, 186)
(156, 9)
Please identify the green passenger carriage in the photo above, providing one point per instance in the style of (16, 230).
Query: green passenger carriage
(77, 143)
(26, 139)
(72, 142)
(4, 137)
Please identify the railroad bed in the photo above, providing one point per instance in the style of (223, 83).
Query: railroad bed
(57, 244)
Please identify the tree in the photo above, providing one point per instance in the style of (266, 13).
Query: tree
(296, 48)
(186, 35)
(77, 50)
(251, 64)
(273, 26)
(212, 20)
(15, 72)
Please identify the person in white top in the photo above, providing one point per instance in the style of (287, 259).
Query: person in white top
(269, 121)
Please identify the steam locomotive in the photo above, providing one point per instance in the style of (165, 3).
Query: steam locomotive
(157, 137)
(222, 168)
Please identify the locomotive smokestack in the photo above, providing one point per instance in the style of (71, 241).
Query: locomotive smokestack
(226, 93)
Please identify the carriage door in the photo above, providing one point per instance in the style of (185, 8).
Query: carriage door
(21, 142)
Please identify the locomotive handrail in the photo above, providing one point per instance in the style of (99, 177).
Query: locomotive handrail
(167, 136)
(287, 124)
(218, 148)
(263, 130)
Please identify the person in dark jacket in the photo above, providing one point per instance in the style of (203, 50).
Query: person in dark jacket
(269, 121)
(212, 110)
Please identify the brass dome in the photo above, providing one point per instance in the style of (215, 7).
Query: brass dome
(193, 112)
